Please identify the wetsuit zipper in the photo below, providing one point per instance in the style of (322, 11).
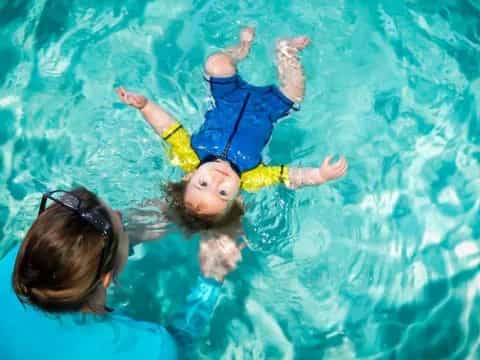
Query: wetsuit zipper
(235, 128)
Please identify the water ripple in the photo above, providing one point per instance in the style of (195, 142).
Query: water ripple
(380, 265)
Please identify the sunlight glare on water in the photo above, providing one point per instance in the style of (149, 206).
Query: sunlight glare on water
(382, 264)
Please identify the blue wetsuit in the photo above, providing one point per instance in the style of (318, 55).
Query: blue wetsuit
(241, 122)
(28, 333)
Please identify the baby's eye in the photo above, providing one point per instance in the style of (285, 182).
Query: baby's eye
(203, 183)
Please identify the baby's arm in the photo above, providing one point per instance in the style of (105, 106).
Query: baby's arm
(298, 177)
(165, 125)
(158, 118)
(263, 176)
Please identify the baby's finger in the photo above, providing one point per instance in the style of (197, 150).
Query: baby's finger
(127, 98)
(342, 164)
(206, 247)
(341, 172)
(337, 165)
(136, 101)
(228, 246)
(233, 260)
(229, 264)
(327, 160)
(121, 93)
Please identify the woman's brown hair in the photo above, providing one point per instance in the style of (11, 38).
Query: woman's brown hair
(191, 223)
(58, 266)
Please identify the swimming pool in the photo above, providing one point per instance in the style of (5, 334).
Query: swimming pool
(380, 265)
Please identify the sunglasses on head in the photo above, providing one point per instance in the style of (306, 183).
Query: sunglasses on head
(91, 216)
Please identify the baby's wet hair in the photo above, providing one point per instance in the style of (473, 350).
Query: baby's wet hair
(190, 222)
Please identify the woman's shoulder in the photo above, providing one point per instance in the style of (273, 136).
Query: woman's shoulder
(142, 338)
(77, 335)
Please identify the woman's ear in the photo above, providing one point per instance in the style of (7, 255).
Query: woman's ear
(107, 279)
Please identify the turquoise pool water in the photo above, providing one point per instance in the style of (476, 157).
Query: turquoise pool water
(381, 265)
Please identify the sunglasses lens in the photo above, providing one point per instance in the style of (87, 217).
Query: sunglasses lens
(97, 220)
(92, 216)
(67, 199)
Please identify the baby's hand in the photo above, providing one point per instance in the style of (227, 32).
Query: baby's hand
(136, 100)
(298, 177)
(219, 256)
(332, 171)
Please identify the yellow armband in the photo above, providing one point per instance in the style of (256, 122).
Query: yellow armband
(181, 152)
(262, 176)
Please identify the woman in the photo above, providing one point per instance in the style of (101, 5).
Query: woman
(56, 308)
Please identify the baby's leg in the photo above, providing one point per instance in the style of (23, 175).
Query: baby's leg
(223, 64)
(290, 69)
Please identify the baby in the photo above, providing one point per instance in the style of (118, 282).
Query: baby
(224, 156)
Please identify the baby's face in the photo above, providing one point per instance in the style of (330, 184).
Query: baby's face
(212, 188)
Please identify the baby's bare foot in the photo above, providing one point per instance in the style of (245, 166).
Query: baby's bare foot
(299, 43)
(240, 51)
(247, 35)
(294, 45)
